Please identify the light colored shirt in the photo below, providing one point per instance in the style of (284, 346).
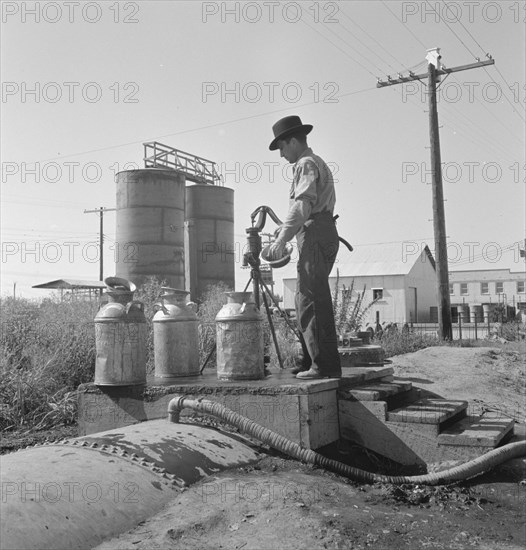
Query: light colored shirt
(311, 192)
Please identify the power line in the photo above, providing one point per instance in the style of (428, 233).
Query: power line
(360, 41)
(340, 49)
(450, 28)
(456, 122)
(493, 115)
(40, 202)
(505, 93)
(200, 128)
(371, 37)
(482, 49)
(463, 26)
(402, 23)
(487, 55)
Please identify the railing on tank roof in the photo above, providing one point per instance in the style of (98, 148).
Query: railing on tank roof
(196, 169)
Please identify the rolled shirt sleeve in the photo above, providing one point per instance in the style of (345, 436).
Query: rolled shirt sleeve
(303, 198)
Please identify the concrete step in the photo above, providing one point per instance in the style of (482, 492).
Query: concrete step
(429, 411)
(477, 431)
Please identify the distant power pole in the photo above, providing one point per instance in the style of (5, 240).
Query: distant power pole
(101, 211)
(436, 69)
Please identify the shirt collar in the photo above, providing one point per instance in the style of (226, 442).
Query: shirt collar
(306, 153)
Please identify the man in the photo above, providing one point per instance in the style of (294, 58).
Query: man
(310, 219)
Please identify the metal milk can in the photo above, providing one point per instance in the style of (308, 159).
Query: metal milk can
(120, 337)
(239, 330)
(175, 336)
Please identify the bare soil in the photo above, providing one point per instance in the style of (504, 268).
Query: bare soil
(490, 379)
(280, 503)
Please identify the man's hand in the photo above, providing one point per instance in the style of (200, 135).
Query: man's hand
(276, 250)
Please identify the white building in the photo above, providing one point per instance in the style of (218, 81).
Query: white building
(481, 290)
(405, 283)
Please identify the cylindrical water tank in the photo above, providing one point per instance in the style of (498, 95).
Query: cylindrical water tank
(210, 247)
(150, 226)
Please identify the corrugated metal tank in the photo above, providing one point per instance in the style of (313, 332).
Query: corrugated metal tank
(150, 226)
(209, 240)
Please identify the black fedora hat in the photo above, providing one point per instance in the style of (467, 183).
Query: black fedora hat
(287, 126)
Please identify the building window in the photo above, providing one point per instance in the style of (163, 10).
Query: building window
(378, 293)
(520, 287)
(484, 288)
(499, 288)
(452, 288)
(463, 288)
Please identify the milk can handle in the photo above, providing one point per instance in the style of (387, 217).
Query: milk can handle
(129, 305)
(160, 306)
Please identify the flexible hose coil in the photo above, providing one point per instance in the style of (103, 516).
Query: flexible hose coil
(464, 471)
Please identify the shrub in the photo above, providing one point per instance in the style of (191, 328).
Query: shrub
(513, 331)
(212, 301)
(348, 313)
(395, 342)
(47, 349)
(149, 294)
(289, 346)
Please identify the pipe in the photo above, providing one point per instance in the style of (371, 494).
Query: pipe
(464, 471)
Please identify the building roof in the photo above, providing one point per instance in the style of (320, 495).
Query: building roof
(486, 275)
(371, 260)
(71, 284)
(381, 259)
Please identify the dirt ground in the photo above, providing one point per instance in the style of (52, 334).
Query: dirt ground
(280, 503)
(491, 379)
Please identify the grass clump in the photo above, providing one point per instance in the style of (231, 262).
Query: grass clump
(397, 342)
(211, 302)
(47, 349)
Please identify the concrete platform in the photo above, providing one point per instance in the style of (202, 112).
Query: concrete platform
(304, 411)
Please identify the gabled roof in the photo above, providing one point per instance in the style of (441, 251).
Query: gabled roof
(71, 284)
(370, 260)
(381, 259)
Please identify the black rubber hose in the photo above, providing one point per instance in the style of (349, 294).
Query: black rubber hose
(464, 471)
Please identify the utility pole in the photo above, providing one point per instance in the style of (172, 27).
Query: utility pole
(100, 211)
(434, 70)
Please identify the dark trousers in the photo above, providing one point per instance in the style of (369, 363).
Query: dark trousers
(318, 246)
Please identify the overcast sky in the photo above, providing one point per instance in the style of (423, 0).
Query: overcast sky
(84, 84)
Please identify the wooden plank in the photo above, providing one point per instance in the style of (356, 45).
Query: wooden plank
(358, 375)
(428, 411)
(319, 420)
(477, 431)
(376, 392)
